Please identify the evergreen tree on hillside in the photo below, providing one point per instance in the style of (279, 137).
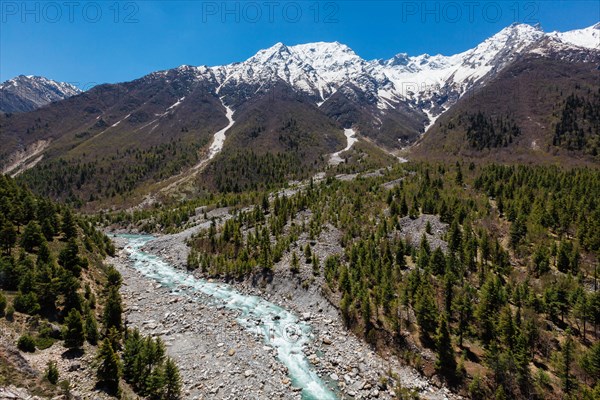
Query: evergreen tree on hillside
(113, 310)
(8, 236)
(172, 390)
(91, 327)
(32, 236)
(463, 308)
(566, 366)
(109, 367)
(426, 311)
(70, 259)
(73, 333)
(446, 361)
(68, 226)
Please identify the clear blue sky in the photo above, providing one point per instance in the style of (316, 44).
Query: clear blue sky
(90, 42)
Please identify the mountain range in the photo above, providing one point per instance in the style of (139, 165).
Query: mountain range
(291, 104)
(27, 93)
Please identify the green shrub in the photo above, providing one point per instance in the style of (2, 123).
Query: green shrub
(51, 373)
(10, 312)
(26, 343)
(44, 342)
(27, 303)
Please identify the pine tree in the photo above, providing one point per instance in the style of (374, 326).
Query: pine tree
(91, 327)
(51, 373)
(459, 174)
(70, 260)
(73, 333)
(113, 310)
(265, 203)
(582, 310)
(563, 262)
(68, 225)
(463, 307)
(109, 367)
(426, 311)
(113, 277)
(316, 267)
(172, 387)
(47, 287)
(454, 237)
(541, 261)
(155, 382)
(445, 364)
(591, 362)
(567, 356)
(32, 236)
(437, 262)
(27, 303)
(132, 350)
(69, 287)
(518, 230)
(492, 297)
(307, 254)
(295, 266)
(403, 207)
(8, 236)
(424, 253)
(506, 327)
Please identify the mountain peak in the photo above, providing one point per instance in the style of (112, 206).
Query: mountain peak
(587, 37)
(27, 92)
(522, 29)
(278, 50)
(323, 47)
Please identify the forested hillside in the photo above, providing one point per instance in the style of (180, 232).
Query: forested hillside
(501, 283)
(578, 127)
(537, 110)
(62, 303)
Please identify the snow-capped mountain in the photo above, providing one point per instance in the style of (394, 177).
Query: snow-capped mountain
(588, 37)
(27, 93)
(297, 101)
(427, 83)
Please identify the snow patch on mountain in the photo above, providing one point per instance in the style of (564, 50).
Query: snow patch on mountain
(587, 37)
(351, 138)
(219, 137)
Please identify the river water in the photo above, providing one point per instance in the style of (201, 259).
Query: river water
(279, 328)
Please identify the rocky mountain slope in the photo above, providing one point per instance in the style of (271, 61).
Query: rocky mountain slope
(522, 115)
(290, 105)
(27, 93)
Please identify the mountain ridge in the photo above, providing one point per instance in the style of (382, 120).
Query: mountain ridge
(279, 97)
(28, 92)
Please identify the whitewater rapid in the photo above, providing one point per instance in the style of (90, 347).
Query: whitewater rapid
(279, 328)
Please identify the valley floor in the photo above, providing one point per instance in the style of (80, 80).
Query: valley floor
(218, 358)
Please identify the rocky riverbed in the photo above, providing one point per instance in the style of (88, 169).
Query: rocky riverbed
(219, 358)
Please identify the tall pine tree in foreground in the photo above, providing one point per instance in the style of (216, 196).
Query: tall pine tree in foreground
(73, 333)
(567, 357)
(172, 390)
(113, 310)
(445, 364)
(109, 367)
